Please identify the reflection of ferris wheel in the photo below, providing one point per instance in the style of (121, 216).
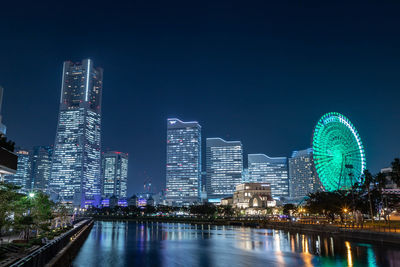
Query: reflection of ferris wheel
(338, 152)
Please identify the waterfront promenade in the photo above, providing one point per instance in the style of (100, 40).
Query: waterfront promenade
(62, 248)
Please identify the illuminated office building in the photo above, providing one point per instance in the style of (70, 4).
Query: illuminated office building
(224, 161)
(22, 176)
(75, 173)
(3, 128)
(263, 169)
(183, 174)
(302, 176)
(41, 157)
(114, 174)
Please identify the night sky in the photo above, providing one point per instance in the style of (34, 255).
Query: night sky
(250, 71)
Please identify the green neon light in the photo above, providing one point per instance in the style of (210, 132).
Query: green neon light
(338, 153)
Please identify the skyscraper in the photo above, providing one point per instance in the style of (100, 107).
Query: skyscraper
(3, 128)
(263, 169)
(41, 157)
(183, 172)
(302, 176)
(23, 174)
(114, 174)
(224, 167)
(75, 173)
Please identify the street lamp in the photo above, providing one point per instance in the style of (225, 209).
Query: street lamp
(31, 195)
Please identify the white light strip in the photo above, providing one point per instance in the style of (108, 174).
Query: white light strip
(363, 163)
(62, 83)
(87, 80)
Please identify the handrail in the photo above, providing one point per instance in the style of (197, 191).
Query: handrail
(53, 247)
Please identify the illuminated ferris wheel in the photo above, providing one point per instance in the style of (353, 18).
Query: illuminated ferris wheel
(338, 153)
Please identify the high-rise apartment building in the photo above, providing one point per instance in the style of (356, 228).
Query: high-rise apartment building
(183, 172)
(41, 157)
(76, 166)
(302, 176)
(114, 174)
(224, 161)
(23, 174)
(263, 169)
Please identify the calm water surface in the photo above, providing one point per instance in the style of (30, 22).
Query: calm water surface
(174, 244)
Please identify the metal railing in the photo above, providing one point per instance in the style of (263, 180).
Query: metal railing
(44, 254)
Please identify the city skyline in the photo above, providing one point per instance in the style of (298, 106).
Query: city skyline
(238, 79)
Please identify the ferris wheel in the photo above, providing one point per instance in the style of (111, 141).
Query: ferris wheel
(338, 152)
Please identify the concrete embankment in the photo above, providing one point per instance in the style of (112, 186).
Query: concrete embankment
(61, 251)
(364, 235)
(68, 253)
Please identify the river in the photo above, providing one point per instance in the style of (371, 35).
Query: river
(121, 243)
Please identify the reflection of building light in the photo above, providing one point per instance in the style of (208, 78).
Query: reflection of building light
(278, 252)
(292, 245)
(349, 258)
(371, 256)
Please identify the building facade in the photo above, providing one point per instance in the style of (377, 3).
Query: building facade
(22, 177)
(391, 187)
(114, 174)
(76, 165)
(264, 169)
(41, 157)
(253, 195)
(183, 173)
(224, 161)
(302, 176)
(3, 128)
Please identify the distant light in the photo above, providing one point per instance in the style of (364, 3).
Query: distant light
(31, 195)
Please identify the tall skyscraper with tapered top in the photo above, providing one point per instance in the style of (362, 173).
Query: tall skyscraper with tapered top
(76, 165)
(183, 162)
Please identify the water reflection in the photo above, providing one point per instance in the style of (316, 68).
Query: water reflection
(175, 244)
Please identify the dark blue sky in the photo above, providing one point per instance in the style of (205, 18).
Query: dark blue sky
(257, 72)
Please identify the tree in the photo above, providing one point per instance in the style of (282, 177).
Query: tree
(8, 196)
(33, 212)
(23, 219)
(149, 209)
(61, 214)
(366, 186)
(287, 208)
(42, 210)
(226, 210)
(380, 181)
(328, 203)
(205, 209)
